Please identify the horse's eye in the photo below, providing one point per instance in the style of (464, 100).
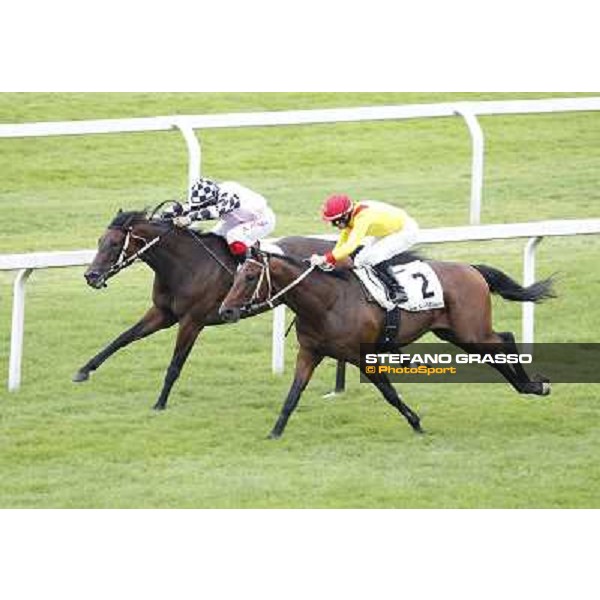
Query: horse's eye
(251, 278)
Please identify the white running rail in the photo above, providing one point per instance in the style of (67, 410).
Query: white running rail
(188, 124)
(25, 264)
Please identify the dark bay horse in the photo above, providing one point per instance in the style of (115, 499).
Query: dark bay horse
(334, 318)
(193, 274)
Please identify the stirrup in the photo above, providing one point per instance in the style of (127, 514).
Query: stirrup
(398, 296)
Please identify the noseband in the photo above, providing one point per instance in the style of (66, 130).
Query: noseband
(265, 275)
(122, 262)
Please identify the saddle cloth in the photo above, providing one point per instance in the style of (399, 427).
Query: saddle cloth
(418, 279)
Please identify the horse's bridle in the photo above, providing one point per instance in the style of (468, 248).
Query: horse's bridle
(122, 262)
(265, 275)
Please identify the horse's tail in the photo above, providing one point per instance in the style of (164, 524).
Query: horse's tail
(502, 284)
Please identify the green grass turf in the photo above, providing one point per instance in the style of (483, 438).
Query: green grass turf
(100, 445)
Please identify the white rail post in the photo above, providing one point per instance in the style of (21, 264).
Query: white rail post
(529, 279)
(278, 360)
(194, 150)
(18, 326)
(477, 163)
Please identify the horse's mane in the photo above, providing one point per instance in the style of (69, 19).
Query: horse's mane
(300, 262)
(402, 259)
(208, 235)
(137, 217)
(128, 218)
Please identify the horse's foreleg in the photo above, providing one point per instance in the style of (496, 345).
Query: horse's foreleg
(340, 380)
(154, 320)
(186, 338)
(306, 363)
(383, 384)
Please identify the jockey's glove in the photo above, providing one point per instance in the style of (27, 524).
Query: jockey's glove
(316, 260)
(173, 211)
(182, 221)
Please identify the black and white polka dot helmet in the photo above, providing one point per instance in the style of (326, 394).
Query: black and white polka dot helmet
(204, 192)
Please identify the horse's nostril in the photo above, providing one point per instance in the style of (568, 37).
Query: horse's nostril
(229, 315)
(92, 278)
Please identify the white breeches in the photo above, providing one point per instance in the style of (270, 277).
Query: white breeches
(385, 248)
(250, 232)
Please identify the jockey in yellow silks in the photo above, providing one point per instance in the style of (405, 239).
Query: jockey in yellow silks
(396, 230)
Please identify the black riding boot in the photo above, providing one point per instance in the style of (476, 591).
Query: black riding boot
(396, 292)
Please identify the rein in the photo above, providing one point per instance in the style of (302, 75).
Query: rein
(266, 273)
(199, 241)
(123, 263)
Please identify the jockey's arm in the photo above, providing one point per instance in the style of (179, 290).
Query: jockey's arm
(205, 214)
(226, 204)
(349, 241)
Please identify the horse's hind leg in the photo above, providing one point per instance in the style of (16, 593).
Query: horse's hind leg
(154, 320)
(306, 363)
(511, 343)
(384, 385)
(500, 343)
(515, 374)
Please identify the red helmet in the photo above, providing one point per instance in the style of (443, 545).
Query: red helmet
(336, 207)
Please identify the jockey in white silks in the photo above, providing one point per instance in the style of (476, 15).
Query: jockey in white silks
(244, 216)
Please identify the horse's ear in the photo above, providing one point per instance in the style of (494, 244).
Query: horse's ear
(251, 252)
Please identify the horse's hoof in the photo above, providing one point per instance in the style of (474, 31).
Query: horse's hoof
(274, 436)
(159, 408)
(80, 376)
(543, 386)
(418, 429)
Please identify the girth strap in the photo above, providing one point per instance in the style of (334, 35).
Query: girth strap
(391, 328)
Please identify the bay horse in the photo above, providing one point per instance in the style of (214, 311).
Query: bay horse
(193, 273)
(334, 318)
